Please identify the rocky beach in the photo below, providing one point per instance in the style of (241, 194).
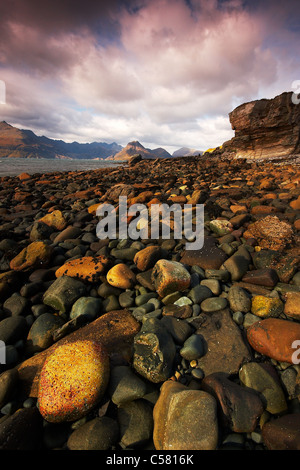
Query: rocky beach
(121, 344)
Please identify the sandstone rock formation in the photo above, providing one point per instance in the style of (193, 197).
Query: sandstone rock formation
(266, 128)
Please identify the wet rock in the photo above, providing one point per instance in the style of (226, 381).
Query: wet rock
(15, 305)
(193, 347)
(145, 259)
(262, 277)
(213, 304)
(13, 329)
(8, 384)
(125, 385)
(91, 307)
(40, 333)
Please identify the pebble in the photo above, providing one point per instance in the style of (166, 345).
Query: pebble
(213, 304)
(154, 352)
(63, 292)
(263, 378)
(36, 254)
(282, 433)
(41, 331)
(88, 306)
(136, 423)
(73, 379)
(240, 407)
(170, 276)
(192, 348)
(274, 337)
(121, 276)
(239, 299)
(184, 419)
(97, 434)
(125, 385)
(264, 307)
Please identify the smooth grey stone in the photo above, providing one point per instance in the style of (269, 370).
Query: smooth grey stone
(63, 292)
(249, 319)
(11, 355)
(213, 285)
(143, 298)
(105, 290)
(13, 329)
(15, 305)
(199, 293)
(125, 385)
(111, 303)
(100, 433)
(154, 314)
(239, 300)
(136, 423)
(126, 254)
(179, 329)
(28, 290)
(127, 299)
(156, 302)
(193, 348)
(40, 333)
(238, 318)
(89, 306)
(213, 304)
(199, 271)
(183, 301)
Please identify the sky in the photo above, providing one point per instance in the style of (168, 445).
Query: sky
(164, 72)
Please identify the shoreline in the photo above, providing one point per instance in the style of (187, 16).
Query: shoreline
(178, 326)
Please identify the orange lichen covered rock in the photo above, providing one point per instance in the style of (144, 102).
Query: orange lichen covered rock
(55, 219)
(270, 232)
(87, 268)
(72, 381)
(34, 255)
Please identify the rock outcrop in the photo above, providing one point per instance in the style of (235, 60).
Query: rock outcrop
(266, 128)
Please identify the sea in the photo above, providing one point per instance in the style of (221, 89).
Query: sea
(16, 166)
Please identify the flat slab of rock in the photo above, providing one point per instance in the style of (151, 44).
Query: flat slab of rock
(114, 330)
(209, 257)
(225, 348)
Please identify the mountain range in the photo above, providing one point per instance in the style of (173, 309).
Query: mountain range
(20, 143)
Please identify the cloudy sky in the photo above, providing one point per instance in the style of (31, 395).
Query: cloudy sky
(164, 72)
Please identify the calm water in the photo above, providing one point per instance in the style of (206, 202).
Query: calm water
(15, 166)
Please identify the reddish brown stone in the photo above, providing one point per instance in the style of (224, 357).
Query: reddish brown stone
(282, 433)
(274, 337)
(208, 257)
(145, 259)
(240, 407)
(262, 277)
